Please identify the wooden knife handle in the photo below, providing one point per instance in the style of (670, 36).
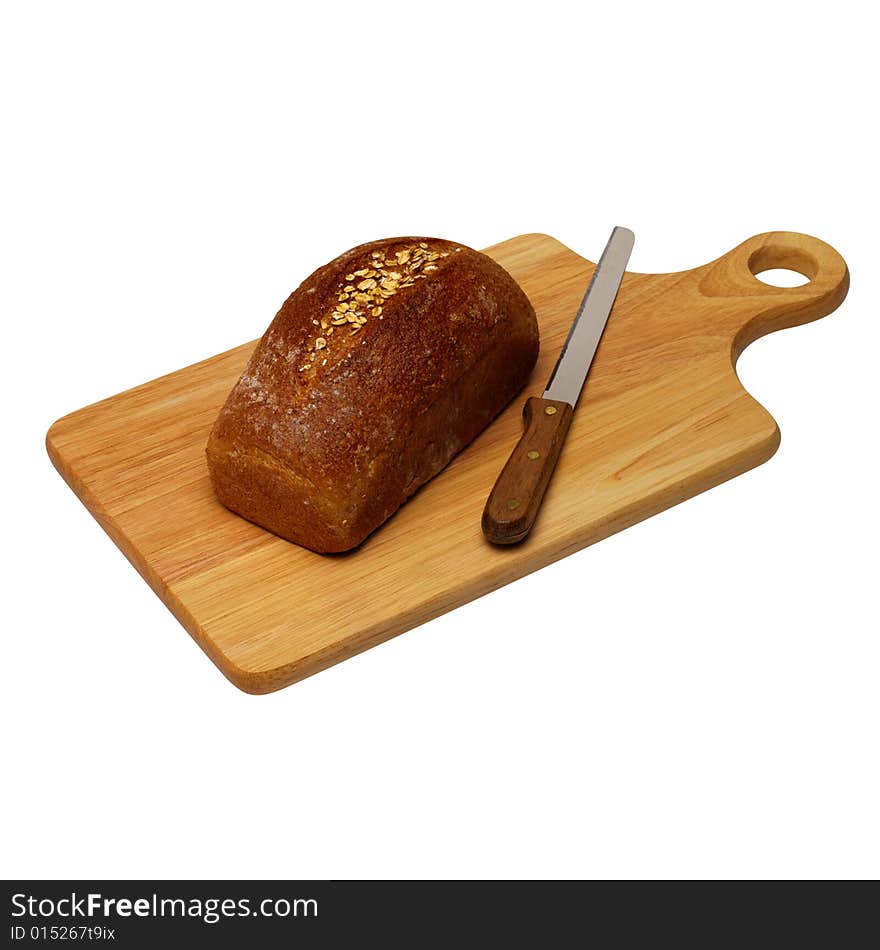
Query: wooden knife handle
(513, 503)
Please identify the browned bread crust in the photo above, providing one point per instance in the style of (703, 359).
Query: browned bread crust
(377, 370)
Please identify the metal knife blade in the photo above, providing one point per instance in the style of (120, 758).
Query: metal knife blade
(570, 373)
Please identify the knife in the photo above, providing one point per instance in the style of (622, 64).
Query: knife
(513, 503)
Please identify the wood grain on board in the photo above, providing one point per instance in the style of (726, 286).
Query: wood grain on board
(662, 417)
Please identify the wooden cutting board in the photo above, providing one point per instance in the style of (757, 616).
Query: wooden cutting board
(662, 417)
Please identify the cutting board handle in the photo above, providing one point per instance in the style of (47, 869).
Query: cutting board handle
(734, 276)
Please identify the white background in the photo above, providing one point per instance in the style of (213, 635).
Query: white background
(697, 696)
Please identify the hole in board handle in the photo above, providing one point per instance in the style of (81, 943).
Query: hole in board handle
(782, 277)
(780, 266)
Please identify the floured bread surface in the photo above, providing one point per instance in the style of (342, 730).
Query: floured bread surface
(380, 367)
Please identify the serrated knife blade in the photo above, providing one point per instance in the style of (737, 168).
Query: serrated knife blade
(571, 369)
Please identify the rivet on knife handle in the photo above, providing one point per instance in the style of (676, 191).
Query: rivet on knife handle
(514, 502)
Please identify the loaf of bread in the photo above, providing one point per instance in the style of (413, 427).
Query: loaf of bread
(377, 370)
